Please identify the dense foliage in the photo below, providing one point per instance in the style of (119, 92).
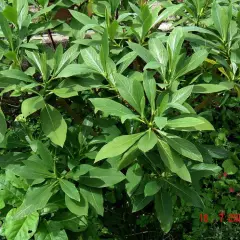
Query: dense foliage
(130, 129)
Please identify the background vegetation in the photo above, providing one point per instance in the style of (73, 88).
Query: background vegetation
(124, 127)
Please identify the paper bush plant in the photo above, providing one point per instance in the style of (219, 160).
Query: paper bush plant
(120, 110)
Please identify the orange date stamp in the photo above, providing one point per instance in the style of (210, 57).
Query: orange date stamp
(231, 217)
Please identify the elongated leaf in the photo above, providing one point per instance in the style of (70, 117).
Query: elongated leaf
(32, 105)
(78, 208)
(6, 29)
(67, 58)
(94, 198)
(74, 70)
(131, 91)
(161, 122)
(151, 188)
(35, 199)
(190, 123)
(69, 189)
(129, 157)
(117, 146)
(159, 52)
(149, 85)
(23, 228)
(221, 16)
(141, 51)
(184, 147)
(16, 74)
(173, 161)
(169, 11)
(125, 61)
(110, 107)
(140, 201)
(101, 177)
(186, 193)
(163, 208)
(210, 88)
(53, 125)
(193, 62)
(82, 18)
(181, 95)
(148, 141)
(92, 59)
(3, 126)
(50, 231)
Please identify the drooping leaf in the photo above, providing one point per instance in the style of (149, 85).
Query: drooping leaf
(53, 125)
(3, 126)
(152, 188)
(110, 107)
(131, 91)
(94, 197)
(69, 189)
(117, 146)
(181, 95)
(100, 177)
(186, 193)
(173, 161)
(184, 147)
(24, 228)
(78, 208)
(164, 210)
(35, 199)
(32, 105)
(148, 141)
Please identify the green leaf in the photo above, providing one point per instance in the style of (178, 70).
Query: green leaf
(210, 88)
(53, 125)
(140, 201)
(186, 193)
(64, 92)
(181, 95)
(10, 13)
(184, 147)
(174, 45)
(94, 197)
(131, 90)
(117, 146)
(104, 51)
(190, 123)
(69, 189)
(35, 199)
(92, 59)
(3, 126)
(229, 167)
(148, 141)
(173, 161)
(147, 21)
(151, 188)
(169, 11)
(110, 107)
(162, 103)
(32, 105)
(101, 177)
(82, 18)
(193, 62)
(164, 210)
(129, 157)
(134, 176)
(160, 54)
(78, 208)
(161, 122)
(23, 228)
(125, 61)
(16, 74)
(6, 30)
(141, 51)
(149, 85)
(221, 16)
(50, 230)
(67, 58)
(74, 70)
